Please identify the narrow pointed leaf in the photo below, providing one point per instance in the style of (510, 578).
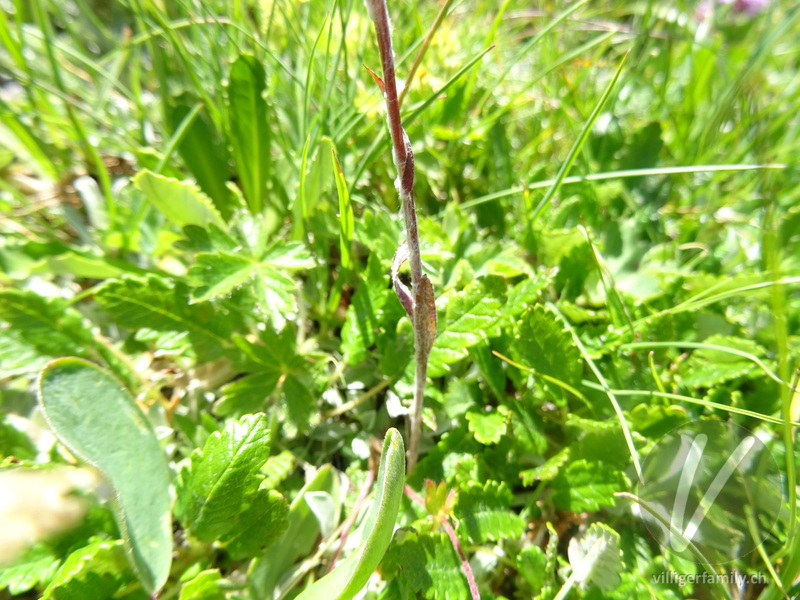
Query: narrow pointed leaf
(350, 576)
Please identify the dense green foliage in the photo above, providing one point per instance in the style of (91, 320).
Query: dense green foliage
(197, 204)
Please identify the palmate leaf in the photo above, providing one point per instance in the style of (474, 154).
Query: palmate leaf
(218, 274)
(547, 347)
(595, 558)
(484, 513)
(220, 496)
(155, 303)
(470, 317)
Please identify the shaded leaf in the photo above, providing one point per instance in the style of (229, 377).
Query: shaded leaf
(249, 128)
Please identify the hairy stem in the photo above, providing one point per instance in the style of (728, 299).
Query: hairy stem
(421, 309)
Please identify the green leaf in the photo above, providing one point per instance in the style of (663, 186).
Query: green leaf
(599, 441)
(182, 203)
(205, 156)
(595, 558)
(531, 563)
(304, 529)
(248, 394)
(346, 225)
(470, 317)
(424, 565)
(36, 566)
(204, 586)
(586, 486)
(14, 442)
(98, 570)
(219, 273)
(40, 327)
(489, 427)
(220, 496)
(484, 513)
(99, 422)
(155, 303)
(547, 347)
(351, 575)
(260, 524)
(364, 318)
(250, 133)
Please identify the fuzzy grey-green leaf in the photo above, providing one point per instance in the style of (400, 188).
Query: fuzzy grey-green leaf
(96, 418)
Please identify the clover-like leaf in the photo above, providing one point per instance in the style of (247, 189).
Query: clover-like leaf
(595, 557)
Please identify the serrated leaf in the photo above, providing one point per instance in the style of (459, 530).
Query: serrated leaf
(586, 486)
(36, 566)
(98, 570)
(426, 564)
(551, 562)
(182, 203)
(298, 400)
(598, 441)
(250, 133)
(100, 423)
(278, 468)
(203, 586)
(484, 513)
(247, 395)
(258, 526)
(351, 575)
(547, 347)
(524, 294)
(209, 239)
(288, 255)
(470, 317)
(531, 563)
(219, 273)
(595, 558)
(223, 479)
(489, 427)
(40, 327)
(548, 470)
(155, 303)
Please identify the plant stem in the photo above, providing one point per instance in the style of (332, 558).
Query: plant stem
(421, 309)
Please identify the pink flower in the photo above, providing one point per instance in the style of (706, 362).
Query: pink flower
(748, 7)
